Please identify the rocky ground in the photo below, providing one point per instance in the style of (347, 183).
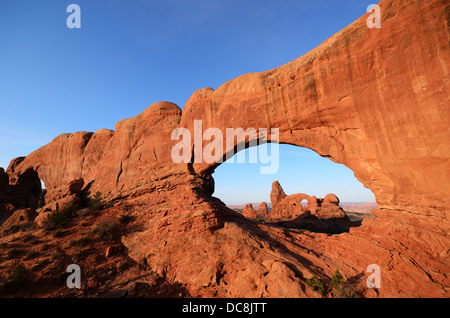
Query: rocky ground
(34, 259)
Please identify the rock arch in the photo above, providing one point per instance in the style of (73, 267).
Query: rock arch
(375, 100)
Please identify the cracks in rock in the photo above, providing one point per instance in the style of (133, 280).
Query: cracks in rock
(119, 174)
(345, 96)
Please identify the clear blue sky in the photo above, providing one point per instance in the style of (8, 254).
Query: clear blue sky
(130, 54)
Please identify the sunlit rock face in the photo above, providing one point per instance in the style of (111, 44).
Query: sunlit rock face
(373, 99)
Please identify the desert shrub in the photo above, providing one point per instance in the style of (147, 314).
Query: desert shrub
(82, 254)
(28, 226)
(84, 212)
(13, 253)
(337, 280)
(57, 255)
(59, 233)
(106, 230)
(96, 202)
(61, 218)
(316, 284)
(260, 217)
(41, 264)
(346, 290)
(18, 277)
(31, 254)
(56, 219)
(45, 247)
(19, 227)
(59, 274)
(70, 210)
(12, 229)
(124, 219)
(82, 241)
(30, 238)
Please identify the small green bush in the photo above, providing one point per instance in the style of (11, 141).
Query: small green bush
(18, 277)
(96, 202)
(337, 280)
(316, 284)
(31, 254)
(59, 274)
(57, 255)
(30, 238)
(106, 230)
(346, 290)
(61, 218)
(82, 241)
(12, 229)
(57, 219)
(70, 210)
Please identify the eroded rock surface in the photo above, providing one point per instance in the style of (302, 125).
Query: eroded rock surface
(375, 100)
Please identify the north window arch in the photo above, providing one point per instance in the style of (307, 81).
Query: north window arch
(301, 170)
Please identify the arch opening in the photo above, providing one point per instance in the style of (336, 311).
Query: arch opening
(307, 192)
(33, 188)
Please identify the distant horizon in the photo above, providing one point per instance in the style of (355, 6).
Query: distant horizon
(269, 203)
(301, 170)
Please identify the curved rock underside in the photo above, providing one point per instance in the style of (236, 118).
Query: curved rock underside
(375, 100)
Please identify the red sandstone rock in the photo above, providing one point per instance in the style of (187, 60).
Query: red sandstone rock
(375, 100)
(277, 194)
(290, 206)
(75, 186)
(263, 209)
(330, 199)
(249, 211)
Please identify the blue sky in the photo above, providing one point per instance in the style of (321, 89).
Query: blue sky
(130, 54)
(301, 170)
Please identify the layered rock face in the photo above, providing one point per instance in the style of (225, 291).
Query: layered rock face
(375, 100)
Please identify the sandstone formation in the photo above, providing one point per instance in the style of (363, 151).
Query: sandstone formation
(263, 209)
(290, 205)
(21, 190)
(277, 194)
(249, 211)
(375, 100)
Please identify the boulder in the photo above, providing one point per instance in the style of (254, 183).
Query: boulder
(75, 186)
(330, 199)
